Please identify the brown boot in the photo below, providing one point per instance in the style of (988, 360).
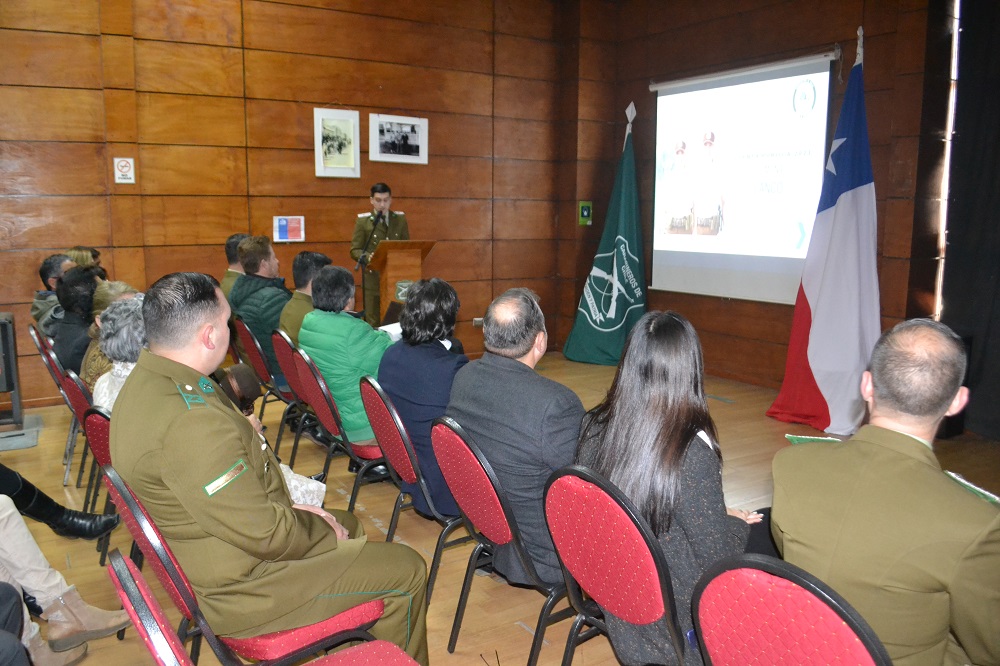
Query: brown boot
(42, 655)
(72, 621)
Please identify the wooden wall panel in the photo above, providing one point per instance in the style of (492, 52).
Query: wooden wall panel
(126, 220)
(519, 219)
(28, 222)
(524, 139)
(524, 259)
(118, 61)
(524, 98)
(460, 260)
(53, 114)
(474, 295)
(471, 14)
(526, 58)
(192, 170)
(130, 266)
(188, 69)
(338, 81)
(121, 124)
(22, 317)
(117, 17)
(520, 179)
(190, 119)
(51, 15)
(528, 19)
(217, 22)
(37, 387)
(19, 281)
(273, 27)
(197, 220)
(166, 259)
(52, 168)
(37, 58)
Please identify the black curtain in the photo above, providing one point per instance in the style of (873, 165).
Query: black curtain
(972, 258)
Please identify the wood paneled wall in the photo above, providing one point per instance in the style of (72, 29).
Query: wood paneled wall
(525, 100)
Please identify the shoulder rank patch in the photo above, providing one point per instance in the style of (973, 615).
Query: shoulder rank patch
(228, 477)
(191, 397)
(363, 214)
(398, 212)
(205, 384)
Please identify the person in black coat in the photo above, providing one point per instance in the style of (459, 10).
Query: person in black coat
(417, 373)
(75, 291)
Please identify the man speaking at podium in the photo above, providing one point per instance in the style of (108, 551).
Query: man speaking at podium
(371, 228)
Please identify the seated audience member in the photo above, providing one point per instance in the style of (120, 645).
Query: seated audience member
(71, 621)
(344, 348)
(417, 373)
(526, 425)
(123, 336)
(95, 363)
(75, 291)
(45, 309)
(653, 438)
(35, 504)
(257, 563)
(305, 267)
(259, 295)
(234, 270)
(12, 652)
(87, 257)
(875, 518)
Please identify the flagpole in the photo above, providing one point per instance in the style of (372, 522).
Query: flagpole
(861, 46)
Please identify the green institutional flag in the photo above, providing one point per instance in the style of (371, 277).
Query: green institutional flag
(614, 297)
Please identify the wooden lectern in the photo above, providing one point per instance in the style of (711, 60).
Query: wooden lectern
(397, 260)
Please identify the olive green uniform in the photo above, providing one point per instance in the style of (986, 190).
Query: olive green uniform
(216, 492)
(397, 230)
(228, 280)
(293, 313)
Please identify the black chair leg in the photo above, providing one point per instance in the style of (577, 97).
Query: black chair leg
(83, 463)
(543, 622)
(475, 560)
(572, 639)
(395, 516)
(448, 528)
(359, 480)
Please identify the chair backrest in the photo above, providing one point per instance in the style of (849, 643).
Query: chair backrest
(253, 350)
(620, 564)
(50, 360)
(41, 341)
(759, 609)
(285, 352)
(97, 428)
(145, 612)
(316, 394)
(391, 435)
(77, 394)
(472, 482)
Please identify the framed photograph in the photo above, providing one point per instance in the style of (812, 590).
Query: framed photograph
(397, 139)
(338, 143)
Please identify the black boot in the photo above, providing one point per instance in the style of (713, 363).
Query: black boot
(33, 503)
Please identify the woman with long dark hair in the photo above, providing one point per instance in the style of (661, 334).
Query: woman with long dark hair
(653, 438)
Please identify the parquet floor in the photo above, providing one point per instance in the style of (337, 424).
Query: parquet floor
(499, 618)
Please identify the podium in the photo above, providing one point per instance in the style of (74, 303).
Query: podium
(395, 261)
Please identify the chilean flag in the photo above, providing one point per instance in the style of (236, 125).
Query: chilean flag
(836, 319)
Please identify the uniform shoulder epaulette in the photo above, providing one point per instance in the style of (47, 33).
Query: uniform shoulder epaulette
(191, 397)
(363, 214)
(398, 212)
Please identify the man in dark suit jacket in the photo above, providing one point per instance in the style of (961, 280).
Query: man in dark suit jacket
(527, 426)
(914, 552)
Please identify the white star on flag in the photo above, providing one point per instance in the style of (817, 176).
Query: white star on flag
(829, 163)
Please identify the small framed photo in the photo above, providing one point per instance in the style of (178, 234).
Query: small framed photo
(337, 135)
(397, 139)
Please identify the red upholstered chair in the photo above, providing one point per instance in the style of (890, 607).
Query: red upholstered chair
(97, 426)
(79, 399)
(755, 609)
(480, 498)
(274, 649)
(401, 459)
(316, 394)
(285, 351)
(153, 626)
(254, 356)
(44, 346)
(622, 569)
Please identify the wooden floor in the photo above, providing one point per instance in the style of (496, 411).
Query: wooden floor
(499, 618)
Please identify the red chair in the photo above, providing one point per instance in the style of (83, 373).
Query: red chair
(480, 498)
(254, 355)
(316, 394)
(285, 352)
(97, 426)
(755, 609)
(401, 459)
(44, 346)
(623, 569)
(274, 649)
(79, 399)
(150, 621)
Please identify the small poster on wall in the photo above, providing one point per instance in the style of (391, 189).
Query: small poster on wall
(397, 139)
(289, 228)
(337, 135)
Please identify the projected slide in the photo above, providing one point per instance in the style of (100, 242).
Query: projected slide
(739, 167)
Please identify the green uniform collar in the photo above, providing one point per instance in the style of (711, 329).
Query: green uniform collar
(193, 387)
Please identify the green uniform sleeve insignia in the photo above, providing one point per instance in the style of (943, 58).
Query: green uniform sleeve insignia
(205, 384)
(191, 397)
(227, 477)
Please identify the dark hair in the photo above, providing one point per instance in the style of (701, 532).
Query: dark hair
(381, 188)
(429, 312)
(653, 411)
(75, 291)
(512, 323)
(917, 368)
(305, 267)
(253, 251)
(176, 305)
(123, 333)
(332, 289)
(52, 268)
(232, 247)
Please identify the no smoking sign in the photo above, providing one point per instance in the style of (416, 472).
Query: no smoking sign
(124, 170)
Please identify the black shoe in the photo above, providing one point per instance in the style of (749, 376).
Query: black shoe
(321, 477)
(32, 603)
(79, 525)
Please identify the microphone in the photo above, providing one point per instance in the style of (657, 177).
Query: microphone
(380, 218)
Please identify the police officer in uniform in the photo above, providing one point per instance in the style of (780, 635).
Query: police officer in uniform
(257, 563)
(388, 225)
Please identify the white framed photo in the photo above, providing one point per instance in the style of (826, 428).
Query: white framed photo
(397, 139)
(337, 135)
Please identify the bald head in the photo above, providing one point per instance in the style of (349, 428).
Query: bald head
(917, 369)
(512, 323)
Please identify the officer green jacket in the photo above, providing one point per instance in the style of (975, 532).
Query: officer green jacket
(397, 230)
(215, 491)
(292, 314)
